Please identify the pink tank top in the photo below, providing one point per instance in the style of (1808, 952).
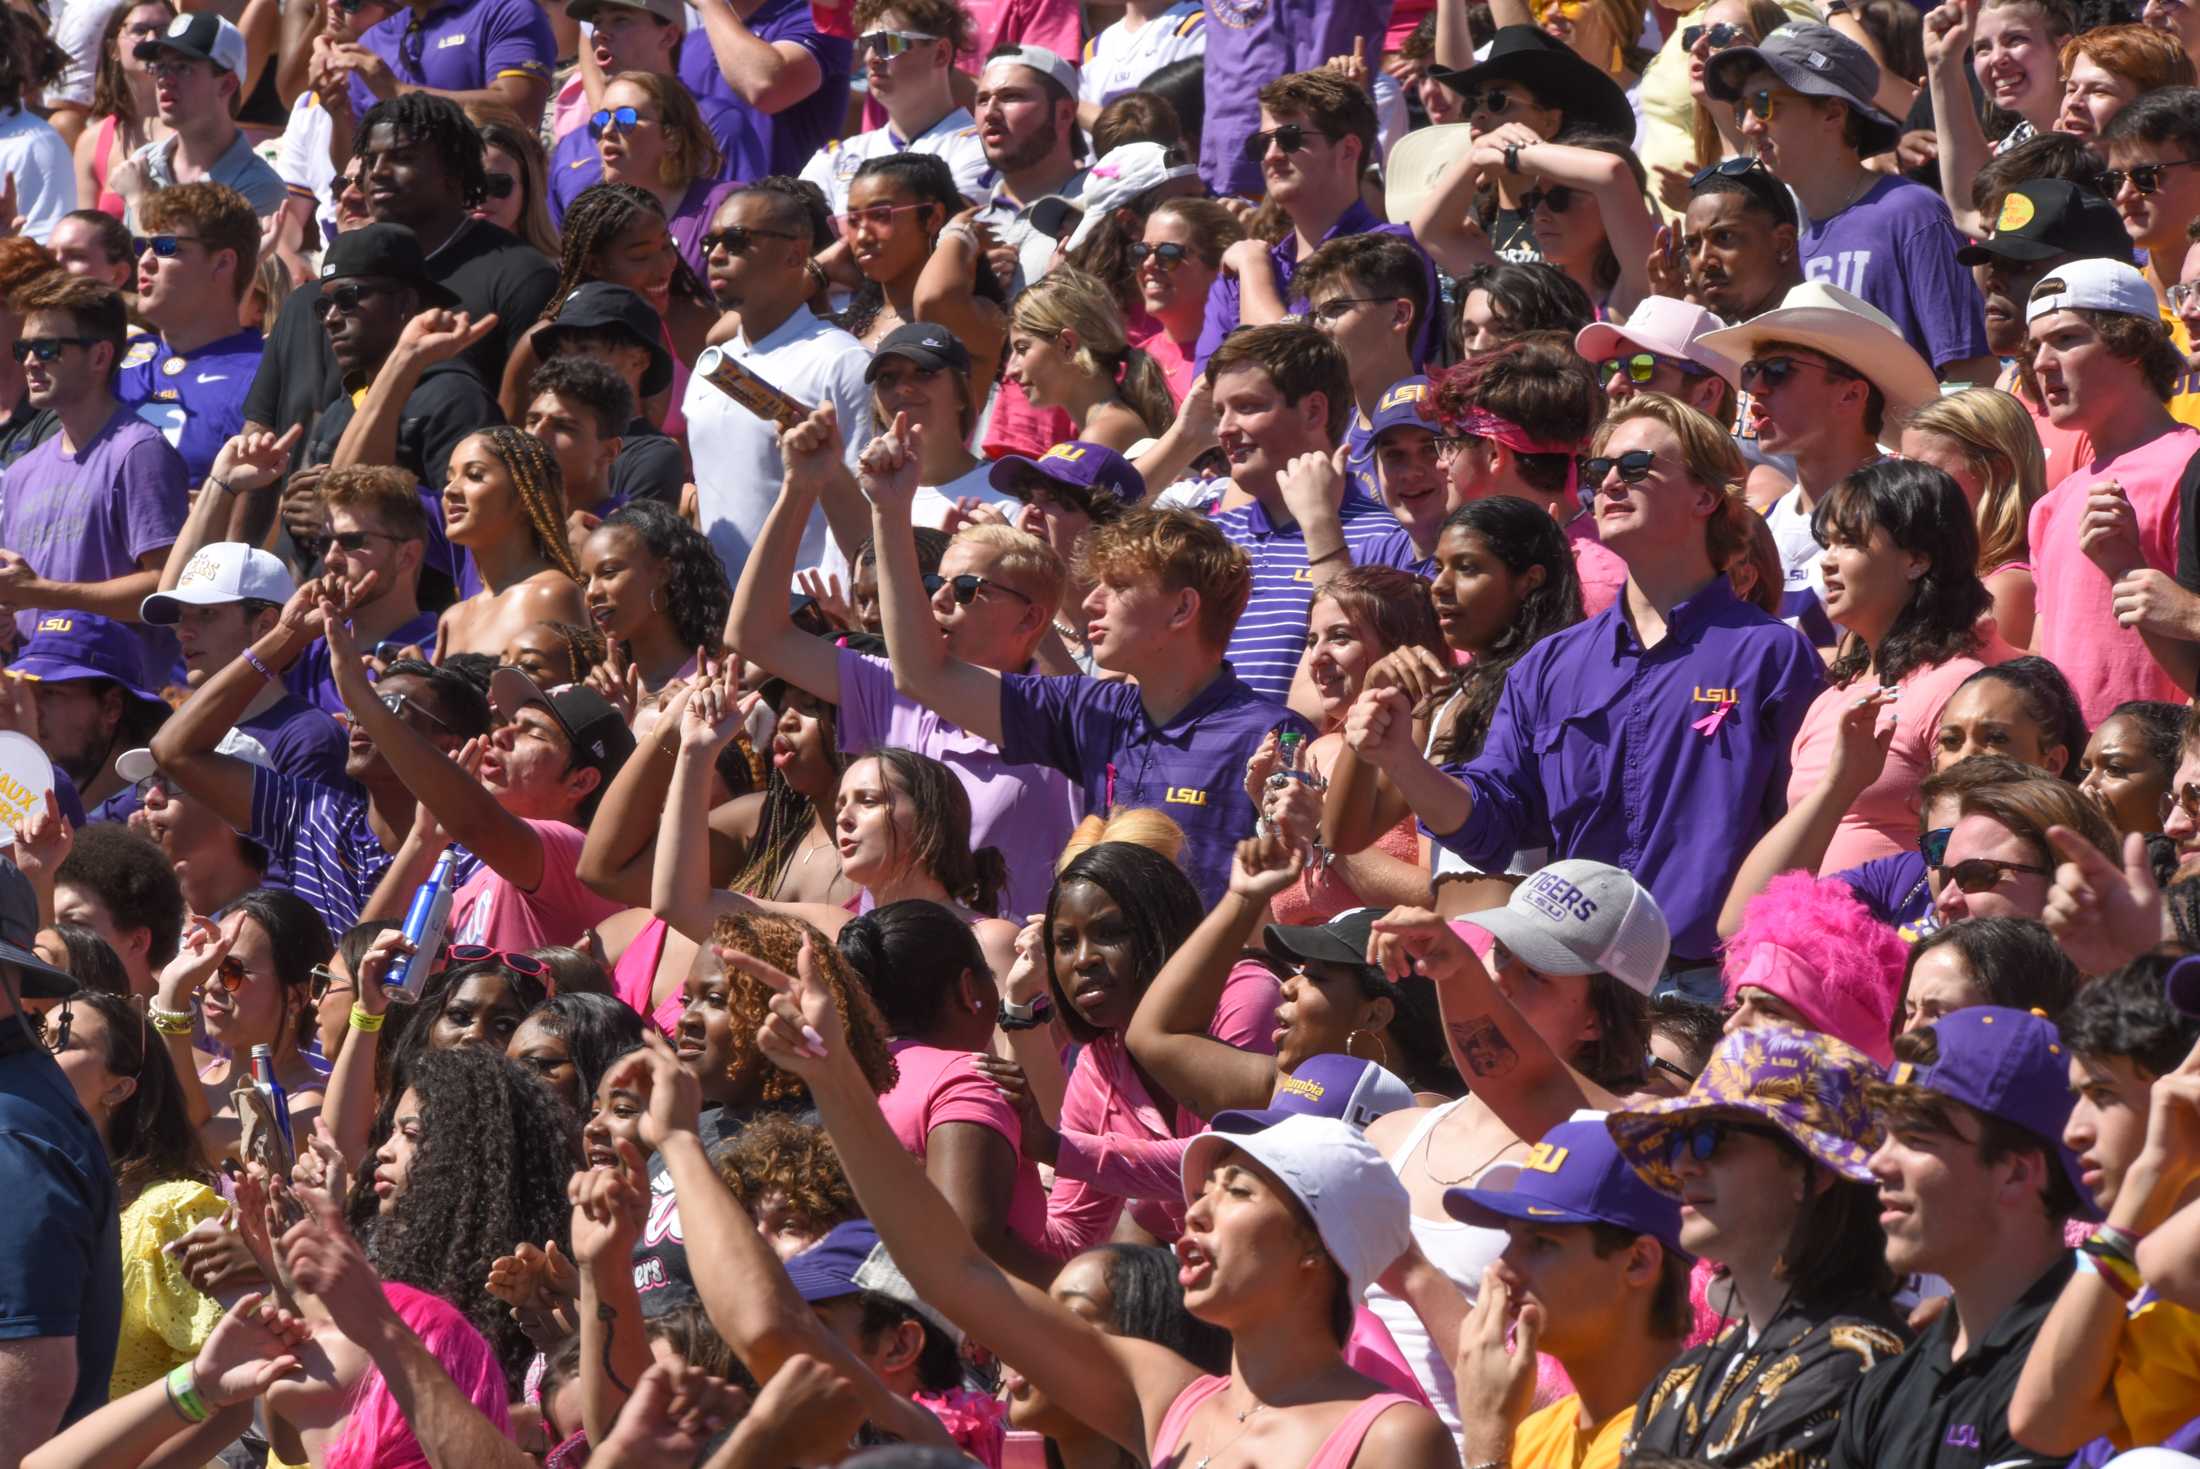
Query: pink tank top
(1337, 1450)
(634, 977)
(110, 202)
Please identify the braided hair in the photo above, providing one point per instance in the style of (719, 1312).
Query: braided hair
(443, 127)
(541, 489)
(594, 220)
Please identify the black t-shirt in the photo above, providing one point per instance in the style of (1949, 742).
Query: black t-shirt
(298, 375)
(449, 402)
(650, 466)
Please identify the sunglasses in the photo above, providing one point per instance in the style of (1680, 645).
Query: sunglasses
(735, 239)
(345, 298)
(2185, 798)
(398, 703)
(355, 541)
(1559, 199)
(2184, 295)
(151, 786)
(620, 118)
(1652, 1061)
(1289, 138)
(967, 586)
(518, 963)
(1170, 255)
(1703, 1141)
(886, 45)
(1726, 168)
(230, 974)
(878, 217)
(1771, 372)
(1982, 874)
(1634, 467)
(1721, 35)
(167, 247)
(1337, 308)
(1496, 102)
(46, 349)
(1760, 104)
(500, 185)
(324, 980)
(1933, 845)
(2145, 177)
(1640, 367)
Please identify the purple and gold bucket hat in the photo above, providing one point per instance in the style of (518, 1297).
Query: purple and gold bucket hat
(1809, 1086)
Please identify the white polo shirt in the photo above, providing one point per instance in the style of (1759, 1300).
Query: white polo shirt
(954, 138)
(1119, 59)
(301, 157)
(736, 454)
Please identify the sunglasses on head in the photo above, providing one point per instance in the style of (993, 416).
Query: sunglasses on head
(1982, 874)
(1721, 36)
(1728, 168)
(398, 703)
(2145, 177)
(1933, 845)
(1558, 198)
(345, 298)
(1289, 138)
(887, 45)
(1170, 255)
(500, 185)
(607, 118)
(1771, 372)
(513, 960)
(1634, 467)
(1703, 1141)
(967, 586)
(47, 349)
(735, 239)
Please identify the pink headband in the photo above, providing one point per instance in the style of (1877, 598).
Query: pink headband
(1786, 975)
(1483, 424)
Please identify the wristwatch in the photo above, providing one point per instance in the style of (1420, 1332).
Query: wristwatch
(1013, 1016)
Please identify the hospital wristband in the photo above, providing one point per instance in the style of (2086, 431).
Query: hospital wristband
(362, 1019)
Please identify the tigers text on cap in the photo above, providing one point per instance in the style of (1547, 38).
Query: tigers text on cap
(1583, 917)
(927, 344)
(203, 36)
(217, 575)
(1041, 60)
(1094, 468)
(1401, 407)
(2042, 219)
(2114, 286)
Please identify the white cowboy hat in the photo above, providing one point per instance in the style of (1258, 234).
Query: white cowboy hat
(1846, 328)
(1415, 163)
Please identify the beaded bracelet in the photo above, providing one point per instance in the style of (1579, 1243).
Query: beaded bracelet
(361, 1020)
(169, 1022)
(184, 1397)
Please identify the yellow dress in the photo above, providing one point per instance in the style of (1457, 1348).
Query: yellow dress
(164, 1320)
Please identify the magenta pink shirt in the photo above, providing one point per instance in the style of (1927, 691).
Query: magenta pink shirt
(1603, 575)
(1883, 820)
(2077, 630)
(492, 910)
(1124, 1128)
(938, 1086)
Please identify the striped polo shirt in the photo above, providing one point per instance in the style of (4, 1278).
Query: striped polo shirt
(1271, 632)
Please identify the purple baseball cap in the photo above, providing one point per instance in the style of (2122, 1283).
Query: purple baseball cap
(1402, 406)
(1576, 1175)
(1094, 468)
(2181, 986)
(1328, 1085)
(2009, 1064)
(69, 646)
(849, 1260)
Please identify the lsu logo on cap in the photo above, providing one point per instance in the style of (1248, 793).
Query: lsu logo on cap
(2017, 211)
(1071, 452)
(1544, 1158)
(1402, 393)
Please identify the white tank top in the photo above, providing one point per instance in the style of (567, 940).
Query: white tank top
(1460, 1251)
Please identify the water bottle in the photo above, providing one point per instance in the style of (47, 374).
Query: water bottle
(1294, 754)
(278, 1100)
(425, 924)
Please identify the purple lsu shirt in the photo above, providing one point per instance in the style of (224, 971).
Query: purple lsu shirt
(784, 139)
(1896, 247)
(461, 47)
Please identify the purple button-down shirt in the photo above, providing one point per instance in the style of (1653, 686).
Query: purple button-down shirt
(1191, 767)
(461, 47)
(1669, 761)
(1222, 297)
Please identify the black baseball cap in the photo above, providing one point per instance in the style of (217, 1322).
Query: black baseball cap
(599, 734)
(388, 251)
(927, 344)
(600, 306)
(18, 929)
(2052, 219)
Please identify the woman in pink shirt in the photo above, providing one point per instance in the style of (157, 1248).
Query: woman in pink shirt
(924, 967)
(1175, 265)
(1116, 914)
(1901, 581)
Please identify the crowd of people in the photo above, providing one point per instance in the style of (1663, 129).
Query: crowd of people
(1183, 732)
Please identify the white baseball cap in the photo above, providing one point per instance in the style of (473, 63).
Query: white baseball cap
(227, 571)
(2114, 286)
(1665, 326)
(1116, 180)
(1039, 59)
(1358, 1206)
(134, 765)
(1583, 917)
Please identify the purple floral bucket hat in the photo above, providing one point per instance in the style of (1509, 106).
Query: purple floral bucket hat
(1808, 1085)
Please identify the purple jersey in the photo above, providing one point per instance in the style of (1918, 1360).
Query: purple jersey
(461, 47)
(195, 398)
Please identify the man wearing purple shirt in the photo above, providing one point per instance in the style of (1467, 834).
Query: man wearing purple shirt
(1269, 38)
(996, 593)
(1654, 736)
(1370, 293)
(787, 82)
(1412, 477)
(1317, 134)
(1168, 590)
(496, 53)
(87, 517)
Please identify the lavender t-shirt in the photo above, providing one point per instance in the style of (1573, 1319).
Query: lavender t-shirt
(1896, 247)
(1025, 810)
(89, 516)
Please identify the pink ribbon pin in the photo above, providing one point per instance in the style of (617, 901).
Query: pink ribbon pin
(1709, 724)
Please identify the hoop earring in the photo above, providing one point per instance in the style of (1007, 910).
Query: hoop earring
(654, 593)
(1382, 1059)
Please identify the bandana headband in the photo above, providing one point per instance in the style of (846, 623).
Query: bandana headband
(1483, 424)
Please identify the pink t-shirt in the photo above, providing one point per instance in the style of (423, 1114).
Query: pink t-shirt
(492, 910)
(1603, 575)
(1882, 822)
(1106, 1097)
(2106, 664)
(938, 1086)
(1174, 357)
